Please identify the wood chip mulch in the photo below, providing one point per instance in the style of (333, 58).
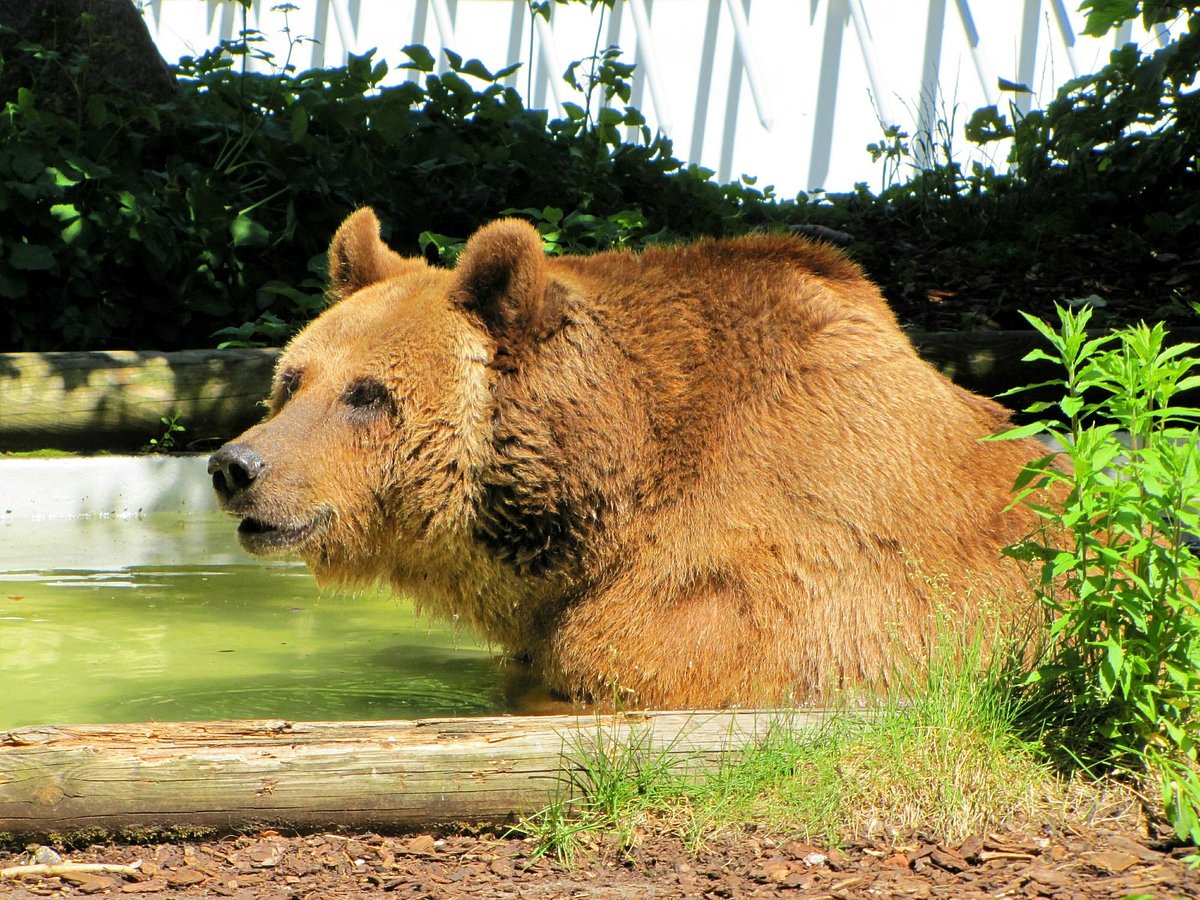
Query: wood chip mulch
(1100, 864)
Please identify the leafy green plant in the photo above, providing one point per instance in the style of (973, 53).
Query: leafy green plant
(611, 77)
(1119, 682)
(580, 232)
(1104, 15)
(1099, 194)
(165, 442)
(1124, 132)
(893, 150)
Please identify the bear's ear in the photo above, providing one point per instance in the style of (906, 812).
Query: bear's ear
(358, 258)
(502, 278)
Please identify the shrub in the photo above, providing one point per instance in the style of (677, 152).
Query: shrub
(129, 224)
(1119, 682)
(205, 217)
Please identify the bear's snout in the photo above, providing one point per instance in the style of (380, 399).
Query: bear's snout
(233, 469)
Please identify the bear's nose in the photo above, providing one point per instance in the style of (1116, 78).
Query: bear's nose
(233, 468)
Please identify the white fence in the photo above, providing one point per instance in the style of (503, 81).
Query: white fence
(788, 91)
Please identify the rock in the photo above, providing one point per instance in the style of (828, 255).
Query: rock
(422, 844)
(184, 877)
(265, 855)
(802, 881)
(1128, 845)
(1051, 878)
(86, 883)
(502, 868)
(971, 848)
(776, 870)
(40, 855)
(836, 859)
(152, 886)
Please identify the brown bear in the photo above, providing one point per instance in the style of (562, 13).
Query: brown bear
(705, 475)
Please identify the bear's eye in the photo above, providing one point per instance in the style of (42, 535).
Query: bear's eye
(367, 395)
(288, 383)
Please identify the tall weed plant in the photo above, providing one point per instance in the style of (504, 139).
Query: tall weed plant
(1118, 683)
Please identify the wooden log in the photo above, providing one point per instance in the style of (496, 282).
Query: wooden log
(989, 362)
(99, 780)
(114, 400)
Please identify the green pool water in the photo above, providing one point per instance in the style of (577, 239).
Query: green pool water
(197, 630)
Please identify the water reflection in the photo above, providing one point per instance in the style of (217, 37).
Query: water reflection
(239, 640)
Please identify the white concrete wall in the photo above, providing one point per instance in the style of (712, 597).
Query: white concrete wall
(793, 101)
(120, 487)
(105, 513)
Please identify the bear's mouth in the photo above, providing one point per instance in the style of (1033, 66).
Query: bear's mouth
(263, 538)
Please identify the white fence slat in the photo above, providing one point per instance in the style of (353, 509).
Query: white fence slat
(445, 25)
(704, 83)
(983, 67)
(745, 46)
(812, 101)
(649, 54)
(548, 52)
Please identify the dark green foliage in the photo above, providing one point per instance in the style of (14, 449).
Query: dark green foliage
(204, 218)
(1103, 15)
(1101, 198)
(166, 226)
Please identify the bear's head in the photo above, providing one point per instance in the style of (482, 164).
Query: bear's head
(380, 418)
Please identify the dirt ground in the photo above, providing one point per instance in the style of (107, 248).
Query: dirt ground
(1079, 864)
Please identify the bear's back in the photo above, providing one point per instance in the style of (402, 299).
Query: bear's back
(704, 335)
(732, 285)
(769, 372)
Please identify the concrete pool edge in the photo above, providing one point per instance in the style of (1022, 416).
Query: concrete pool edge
(109, 513)
(119, 487)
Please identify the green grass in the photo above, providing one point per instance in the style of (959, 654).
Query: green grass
(937, 755)
(612, 783)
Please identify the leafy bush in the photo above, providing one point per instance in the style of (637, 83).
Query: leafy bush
(1124, 137)
(1100, 196)
(1119, 684)
(205, 218)
(125, 224)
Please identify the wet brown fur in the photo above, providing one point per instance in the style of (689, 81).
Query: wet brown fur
(713, 474)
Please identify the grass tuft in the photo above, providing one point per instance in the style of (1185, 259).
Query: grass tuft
(938, 756)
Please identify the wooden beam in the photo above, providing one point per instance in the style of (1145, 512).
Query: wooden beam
(99, 780)
(114, 400)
